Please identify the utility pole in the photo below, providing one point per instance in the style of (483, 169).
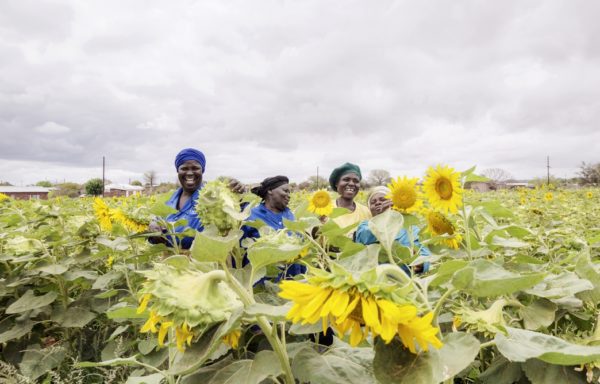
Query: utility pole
(317, 178)
(548, 167)
(103, 170)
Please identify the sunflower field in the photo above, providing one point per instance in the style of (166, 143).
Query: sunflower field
(511, 294)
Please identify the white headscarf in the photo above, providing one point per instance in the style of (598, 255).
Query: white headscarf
(379, 189)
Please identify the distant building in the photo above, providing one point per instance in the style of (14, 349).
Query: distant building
(26, 193)
(480, 186)
(120, 190)
(516, 185)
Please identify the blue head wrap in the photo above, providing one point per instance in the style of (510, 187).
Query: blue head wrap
(190, 154)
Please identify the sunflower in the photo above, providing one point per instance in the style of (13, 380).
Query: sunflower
(117, 215)
(3, 197)
(356, 310)
(102, 213)
(548, 196)
(443, 190)
(589, 194)
(320, 203)
(404, 194)
(438, 224)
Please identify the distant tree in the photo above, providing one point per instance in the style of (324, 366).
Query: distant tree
(93, 187)
(67, 189)
(137, 183)
(165, 187)
(44, 183)
(5, 184)
(303, 186)
(378, 177)
(317, 182)
(497, 175)
(150, 178)
(590, 174)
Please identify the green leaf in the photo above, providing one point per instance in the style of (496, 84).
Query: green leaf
(565, 285)
(118, 244)
(36, 362)
(394, 364)
(74, 317)
(304, 224)
(459, 351)
(155, 378)
(265, 365)
(367, 258)
(19, 329)
(30, 301)
(521, 345)
(539, 372)
(332, 367)
(53, 269)
(103, 281)
(446, 270)
(386, 227)
(509, 243)
(501, 371)
(482, 278)
(107, 363)
(124, 313)
(496, 209)
(585, 269)
(210, 246)
(263, 254)
(538, 314)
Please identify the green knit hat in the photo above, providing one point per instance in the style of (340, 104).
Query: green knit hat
(337, 173)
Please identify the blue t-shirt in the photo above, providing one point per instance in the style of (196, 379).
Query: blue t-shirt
(187, 212)
(364, 236)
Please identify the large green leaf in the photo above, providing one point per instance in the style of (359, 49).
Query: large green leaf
(386, 227)
(483, 278)
(160, 208)
(36, 362)
(155, 378)
(263, 254)
(585, 269)
(333, 367)
(502, 371)
(20, 328)
(74, 317)
(394, 364)
(539, 314)
(30, 301)
(539, 372)
(210, 246)
(565, 285)
(264, 365)
(521, 345)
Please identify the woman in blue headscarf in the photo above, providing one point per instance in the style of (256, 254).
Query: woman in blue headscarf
(190, 164)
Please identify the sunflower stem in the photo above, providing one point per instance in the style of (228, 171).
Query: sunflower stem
(440, 303)
(266, 327)
(467, 232)
(394, 271)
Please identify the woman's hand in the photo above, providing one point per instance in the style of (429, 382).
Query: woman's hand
(236, 187)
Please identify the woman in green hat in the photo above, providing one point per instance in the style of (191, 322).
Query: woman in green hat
(346, 181)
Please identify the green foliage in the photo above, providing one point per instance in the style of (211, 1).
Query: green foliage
(93, 187)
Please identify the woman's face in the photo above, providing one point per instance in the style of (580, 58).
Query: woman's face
(348, 185)
(378, 203)
(190, 175)
(279, 197)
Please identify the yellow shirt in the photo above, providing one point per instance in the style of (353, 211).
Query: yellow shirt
(360, 213)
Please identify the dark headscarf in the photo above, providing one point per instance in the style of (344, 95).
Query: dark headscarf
(190, 154)
(337, 173)
(269, 184)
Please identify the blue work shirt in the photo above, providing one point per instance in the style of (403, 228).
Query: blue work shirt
(187, 212)
(364, 236)
(275, 221)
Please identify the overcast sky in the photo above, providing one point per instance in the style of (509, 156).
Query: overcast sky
(284, 87)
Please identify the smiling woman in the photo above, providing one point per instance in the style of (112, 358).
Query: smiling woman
(346, 181)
